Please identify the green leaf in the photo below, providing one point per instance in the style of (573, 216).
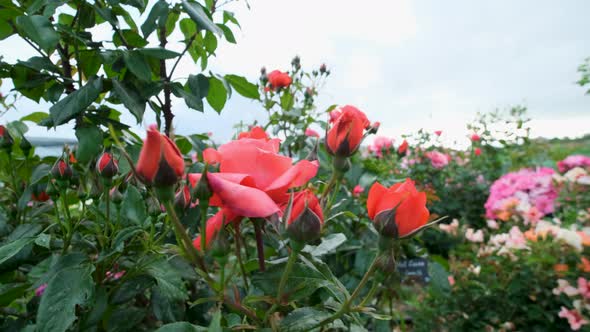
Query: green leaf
(287, 101)
(210, 42)
(125, 319)
(133, 207)
(227, 33)
(159, 53)
(138, 65)
(168, 279)
(43, 240)
(198, 14)
(183, 144)
(132, 287)
(439, 278)
(89, 143)
(243, 87)
(217, 95)
(107, 15)
(130, 99)
(158, 10)
(182, 327)
(39, 63)
(40, 172)
(303, 319)
(76, 102)
(39, 29)
(133, 39)
(69, 288)
(188, 28)
(328, 245)
(11, 292)
(90, 63)
(35, 117)
(12, 248)
(5, 30)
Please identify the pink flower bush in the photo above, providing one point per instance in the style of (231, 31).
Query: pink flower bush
(518, 192)
(474, 236)
(572, 162)
(450, 228)
(380, 143)
(574, 318)
(438, 159)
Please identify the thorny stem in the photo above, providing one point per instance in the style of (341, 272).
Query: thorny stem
(259, 244)
(167, 107)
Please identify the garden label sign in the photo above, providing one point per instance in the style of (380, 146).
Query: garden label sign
(414, 269)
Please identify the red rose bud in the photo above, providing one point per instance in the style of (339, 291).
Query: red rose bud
(346, 134)
(402, 150)
(107, 166)
(6, 140)
(475, 138)
(116, 196)
(278, 79)
(160, 162)
(183, 198)
(438, 132)
(306, 218)
(323, 68)
(61, 170)
(477, 151)
(398, 211)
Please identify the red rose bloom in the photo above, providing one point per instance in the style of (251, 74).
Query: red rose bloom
(475, 138)
(345, 136)
(398, 211)
(253, 181)
(278, 79)
(160, 162)
(477, 151)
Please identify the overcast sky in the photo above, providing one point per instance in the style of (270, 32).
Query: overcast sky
(408, 64)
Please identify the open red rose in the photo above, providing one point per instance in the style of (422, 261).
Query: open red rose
(398, 211)
(278, 79)
(306, 218)
(255, 132)
(160, 162)
(253, 180)
(346, 134)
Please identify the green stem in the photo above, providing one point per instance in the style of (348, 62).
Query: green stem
(328, 188)
(184, 239)
(286, 272)
(237, 238)
(204, 204)
(222, 280)
(107, 226)
(346, 305)
(290, 261)
(259, 244)
(68, 225)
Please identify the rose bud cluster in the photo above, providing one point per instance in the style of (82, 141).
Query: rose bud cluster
(398, 211)
(107, 166)
(160, 162)
(306, 218)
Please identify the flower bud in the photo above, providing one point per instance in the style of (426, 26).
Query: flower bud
(323, 68)
(220, 246)
(6, 140)
(153, 205)
(62, 170)
(182, 200)
(402, 150)
(306, 218)
(160, 162)
(263, 71)
(346, 134)
(203, 190)
(38, 193)
(107, 166)
(116, 195)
